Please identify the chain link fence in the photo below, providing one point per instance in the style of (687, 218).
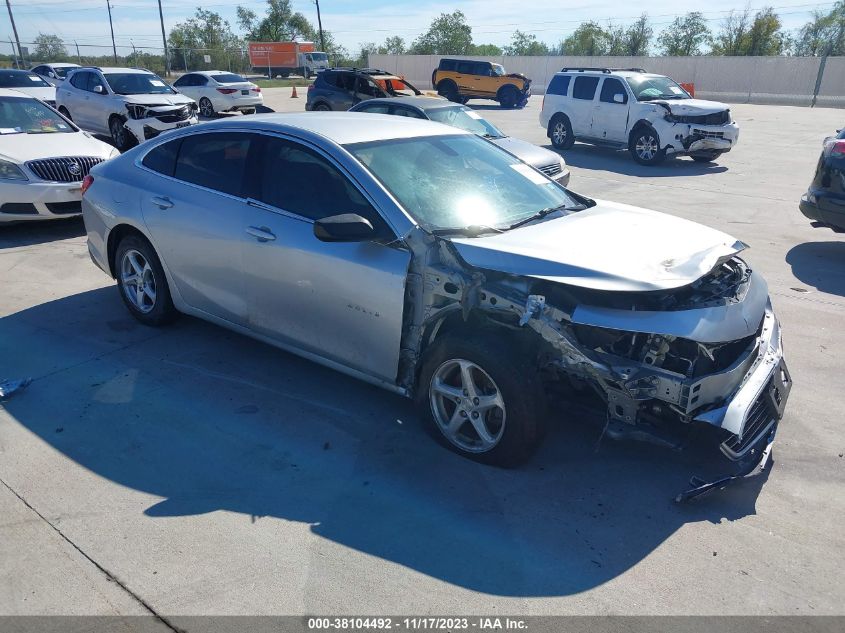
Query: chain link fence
(178, 62)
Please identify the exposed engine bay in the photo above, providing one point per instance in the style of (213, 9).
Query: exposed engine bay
(708, 352)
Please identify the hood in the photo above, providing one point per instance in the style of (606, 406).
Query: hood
(610, 246)
(528, 152)
(157, 100)
(686, 107)
(23, 147)
(45, 93)
(518, 76)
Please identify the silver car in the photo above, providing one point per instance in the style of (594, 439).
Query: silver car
(460, 116)
(428, 261)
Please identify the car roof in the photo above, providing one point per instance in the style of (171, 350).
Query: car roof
(211, 72)
(423, 103)
(343, 128)
(60, 65)
(11, 92)
(612, 73)
(117, 69)
(16, 71)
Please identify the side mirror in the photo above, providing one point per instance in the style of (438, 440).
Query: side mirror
(347, 227)
(619, 98)
(99, 90)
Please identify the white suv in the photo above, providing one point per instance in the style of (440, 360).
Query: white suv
(650, 115)
(129, 104)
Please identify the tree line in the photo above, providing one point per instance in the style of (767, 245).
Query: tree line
(739, 33)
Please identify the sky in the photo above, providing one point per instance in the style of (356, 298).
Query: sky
(356, 21)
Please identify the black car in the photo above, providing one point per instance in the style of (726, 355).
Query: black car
(825, 199)
(342, 88)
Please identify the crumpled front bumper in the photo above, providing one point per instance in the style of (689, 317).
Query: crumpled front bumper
(692, 138)
(150, 127)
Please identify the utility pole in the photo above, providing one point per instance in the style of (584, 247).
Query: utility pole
(319, 25)
(111, 26)
(15, 29)
(134, 53)
(78, 56)
(164, 39)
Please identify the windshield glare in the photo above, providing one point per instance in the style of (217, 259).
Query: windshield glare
(452, 182)
(647, 88)
(21, 80)
(137, 84)
(465, 119)
(19, 115)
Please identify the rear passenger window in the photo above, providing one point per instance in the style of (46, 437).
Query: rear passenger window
(162, 159)
(465, 68)
(412, 114)
(559, 85)
(214, 160)
(585, 88)
(447, 64)
(298, 180)
(612, 87)
(378, 108)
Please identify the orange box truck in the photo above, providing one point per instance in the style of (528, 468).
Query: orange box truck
(286, 58)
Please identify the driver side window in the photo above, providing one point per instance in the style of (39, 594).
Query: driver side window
(94, 80)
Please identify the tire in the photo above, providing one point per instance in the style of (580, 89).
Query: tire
(121, 137)
(644, 146)
(449, 89)
(512, 424)
(560, 132)
(248, 111)
(136, 263)
(508, 97)
(321, 107)
(705, 157)
(207, 108)
(463, 100)
(64, 112)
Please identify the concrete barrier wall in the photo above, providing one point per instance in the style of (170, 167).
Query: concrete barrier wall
(773, 80)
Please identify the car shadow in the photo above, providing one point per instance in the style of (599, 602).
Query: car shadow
(820, 265)
(40, 231)
(209, 420)
(620, 162)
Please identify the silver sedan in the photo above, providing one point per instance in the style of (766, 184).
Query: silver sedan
(428, 261)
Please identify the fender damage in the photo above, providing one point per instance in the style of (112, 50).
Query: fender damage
(662, 361)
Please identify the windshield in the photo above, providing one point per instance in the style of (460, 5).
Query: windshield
(24, 115)
(137, 84)
(465, 119)
(319, 57)
(498, 70)
(228, 78)
(62, 71)
(647, 88)
(21, 80)
(454, 182)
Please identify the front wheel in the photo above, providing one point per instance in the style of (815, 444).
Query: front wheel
(645, 147)
(705, 157)
(481, 397)
(206, 107)
(121, 137)
(141, 281)
(508, 97)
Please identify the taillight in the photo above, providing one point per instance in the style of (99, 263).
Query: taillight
(310, 86)
(836, 147)
(256, 89)
(86, 183)
(227, 91)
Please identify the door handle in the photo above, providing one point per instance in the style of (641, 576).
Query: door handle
(162, 202)
(261, 233)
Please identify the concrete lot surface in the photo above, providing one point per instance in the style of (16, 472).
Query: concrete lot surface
(189, 470)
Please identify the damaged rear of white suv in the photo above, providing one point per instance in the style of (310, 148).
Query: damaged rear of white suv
(431, 262)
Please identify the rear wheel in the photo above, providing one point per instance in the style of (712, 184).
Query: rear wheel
(481, 397)
(449, 90)
(322, 107)
(645, 147)
(206, 107)
(143, 286)
(560, 132)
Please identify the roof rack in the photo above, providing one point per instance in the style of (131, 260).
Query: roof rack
(580, 69)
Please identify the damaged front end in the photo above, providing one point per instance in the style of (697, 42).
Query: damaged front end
(663, 362)
(148, 121)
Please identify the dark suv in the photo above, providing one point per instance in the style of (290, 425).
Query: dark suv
(342, 88)
(824, 201)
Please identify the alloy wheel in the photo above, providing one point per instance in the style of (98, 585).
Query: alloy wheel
(559, 133)
(206, 109)
(467, 405)
(118, 133)
(646, 146)
(138, 281)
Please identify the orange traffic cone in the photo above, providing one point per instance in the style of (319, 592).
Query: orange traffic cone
(293, 94)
